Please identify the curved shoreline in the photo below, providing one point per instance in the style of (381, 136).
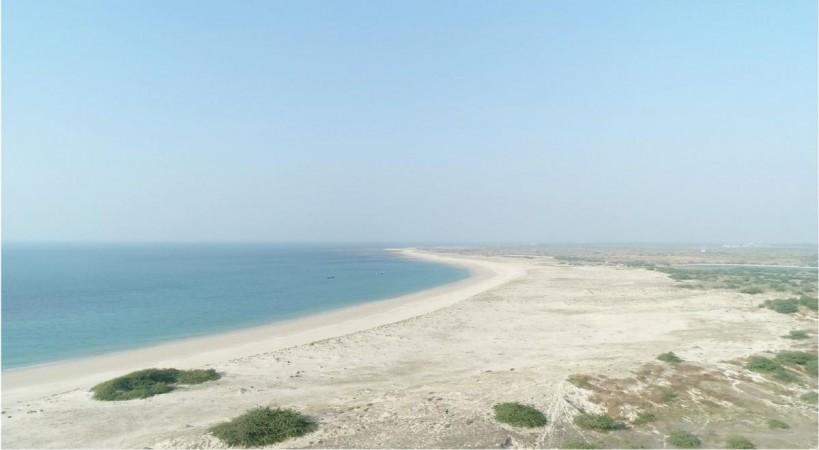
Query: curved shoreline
(207, 350)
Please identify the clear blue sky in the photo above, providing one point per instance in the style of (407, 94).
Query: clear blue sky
(452, 121)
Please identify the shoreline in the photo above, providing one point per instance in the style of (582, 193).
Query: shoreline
(202, 351)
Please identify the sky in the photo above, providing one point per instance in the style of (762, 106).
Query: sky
(409, 121)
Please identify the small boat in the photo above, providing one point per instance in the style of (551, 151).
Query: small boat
(330, 277)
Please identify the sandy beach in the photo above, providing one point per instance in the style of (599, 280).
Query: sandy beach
(424, 370)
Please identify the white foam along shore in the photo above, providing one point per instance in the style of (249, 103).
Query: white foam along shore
(203, 351)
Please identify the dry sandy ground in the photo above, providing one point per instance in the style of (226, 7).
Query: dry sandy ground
(430, 379)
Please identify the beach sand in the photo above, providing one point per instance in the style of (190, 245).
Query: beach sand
(424, 370)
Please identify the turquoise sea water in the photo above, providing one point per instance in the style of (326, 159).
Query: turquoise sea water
(67, 300)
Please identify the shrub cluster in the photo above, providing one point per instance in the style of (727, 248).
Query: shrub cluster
(519, 415)
(149, 382)
(669, 357)
(807, 361)
(769, 366)
(783, 306)
(684, 439)
(739, 442)
(644, 417)
(580, 444)
(810, 397)
(776, 424)
(797, 334)
(597, 422)
(263, 426)
(810, 302)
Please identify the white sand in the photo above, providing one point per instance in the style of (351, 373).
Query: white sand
(417, 371)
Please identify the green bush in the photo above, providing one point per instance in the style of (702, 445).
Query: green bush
(519, 415)
(770, 367)
(597, 422)
(810, 397)
(579, 444)
(644, 417)
(783, 306)
(684, 439)
(739, 442)
(149, 382)
(809, 302)
(775, 424)
(797, 334)
(795, 358)
(812, 368)
(263, 426)
(669, 357)
(196, 376)
(762, 364)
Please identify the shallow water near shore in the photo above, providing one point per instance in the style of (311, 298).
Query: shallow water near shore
(62, 301)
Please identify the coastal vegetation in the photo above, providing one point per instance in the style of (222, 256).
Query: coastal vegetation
(739, 442)
(149, 382)
(597, 422)
(263, 426)
(770, 367)
(519, 415)
(809, 397)
(580, 444)
(804, 360)
(797, 334)
(669, 357)
(782, 306)
(776, 424)
(684, 439)
(644, 417)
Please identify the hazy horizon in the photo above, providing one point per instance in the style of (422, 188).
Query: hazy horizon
(454, 122)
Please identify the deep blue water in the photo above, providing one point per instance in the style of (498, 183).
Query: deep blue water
(67, 300)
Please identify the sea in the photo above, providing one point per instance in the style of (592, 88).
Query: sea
(62, 301)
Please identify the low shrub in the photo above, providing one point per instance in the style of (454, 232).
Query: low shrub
(196, 376)
(684, 439)
(669, 357)
(519, 415)
(805, 360)
(812, 368)
(809, 397)
(149, 382)
(775, 424)
(795, 358)
(263, 426)
(739, 442)
(797, 334)
(644, 417)
(580, 444)
(762, 364)
(783, 306)
(770, 367)
(597, 422)
(809, 302)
